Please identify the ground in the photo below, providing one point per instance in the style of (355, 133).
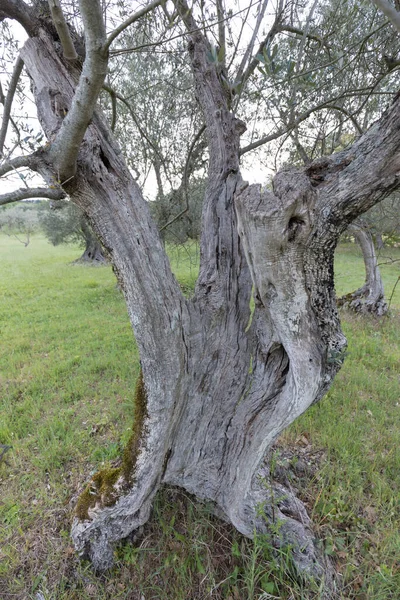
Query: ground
(68, 364)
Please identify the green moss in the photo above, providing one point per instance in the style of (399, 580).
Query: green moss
(132, 448)
(101, 489)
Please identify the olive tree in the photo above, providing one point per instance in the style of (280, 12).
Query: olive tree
(220, 378)
(19, 221)
(64, 223)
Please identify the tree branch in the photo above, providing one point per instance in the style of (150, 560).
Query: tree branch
(353, 180)
(300, 32)
(25, 193)
(113, 97)
(64, 150)
(135, 119)
(186, 178)
(30, 161)
(239, 76)
(390, 12)
(9, 100)
(21, 12)
(221, 30)
(303, 116)
(132, 19)
(62, 30)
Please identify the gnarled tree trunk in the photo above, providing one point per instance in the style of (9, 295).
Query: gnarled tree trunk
(370, 298)
(219, 382)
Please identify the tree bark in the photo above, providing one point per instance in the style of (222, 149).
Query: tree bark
(219, 381)
(370, 298)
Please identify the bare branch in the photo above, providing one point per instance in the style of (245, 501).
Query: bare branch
(303, 116)
(255, 61)
(186, 178)
(203, 28)
(62, 30)
(300, 32)
(249, 49)
(300, 57)
(221, 30)
(113, 98)
(30, 161)
(132, 19)
(135, 119)
(390, 12)
(25, 193)
(9, 100)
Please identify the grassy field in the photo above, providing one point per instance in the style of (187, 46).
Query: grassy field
(68, 365)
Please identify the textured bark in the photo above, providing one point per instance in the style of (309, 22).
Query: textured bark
(220, 382)
(370, 298)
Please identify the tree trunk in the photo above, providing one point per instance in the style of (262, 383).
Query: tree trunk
(93, 253)
(219, 382)
(369, 298)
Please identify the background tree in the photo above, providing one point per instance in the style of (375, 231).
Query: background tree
(19, 221)
(64, 223)
(219, 382)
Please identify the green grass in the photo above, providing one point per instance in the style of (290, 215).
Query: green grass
(349, 273)
(68, 365)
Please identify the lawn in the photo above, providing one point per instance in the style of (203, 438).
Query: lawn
(68, 365)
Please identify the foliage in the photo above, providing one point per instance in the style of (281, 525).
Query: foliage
(165, 208)
(62, 224)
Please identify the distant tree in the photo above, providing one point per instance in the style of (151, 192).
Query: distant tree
(370, 297)
(20, 221)
(64, 223)
(178, 213)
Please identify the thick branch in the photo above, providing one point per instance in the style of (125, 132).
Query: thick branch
(25, 193)
(353, 180)
(65, 148)
(9, 100)
(21, 12)
(390, 12)
(62, 30)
